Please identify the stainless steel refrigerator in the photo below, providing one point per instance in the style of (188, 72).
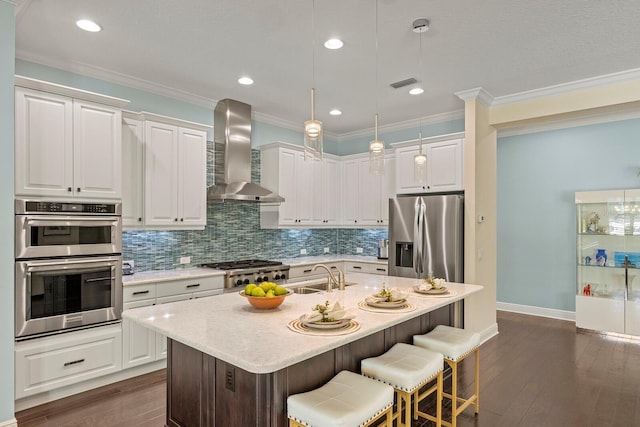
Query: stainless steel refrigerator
(426, 236)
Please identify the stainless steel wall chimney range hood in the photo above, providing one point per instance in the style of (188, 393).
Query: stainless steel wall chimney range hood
(232, 154)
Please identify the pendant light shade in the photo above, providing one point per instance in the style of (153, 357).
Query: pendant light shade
(420, 165)
(376, 153)
(313, 149)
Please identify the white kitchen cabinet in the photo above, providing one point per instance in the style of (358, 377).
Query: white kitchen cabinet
(132, 172)
(366, 195)
(310, 188)
(444, 165)
(66, 146)
(138, 342)
(365, 267)
(44, 364)
(175, 176)
(305, 272)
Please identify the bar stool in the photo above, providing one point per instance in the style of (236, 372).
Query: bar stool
(347, 400)
(408, 368)
(455, 344)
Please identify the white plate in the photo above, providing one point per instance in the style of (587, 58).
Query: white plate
(386, 304)
(431, 291)
(326, 325)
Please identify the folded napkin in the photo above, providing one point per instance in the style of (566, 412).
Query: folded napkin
(388, 295)
(429, 284)
(334, 311)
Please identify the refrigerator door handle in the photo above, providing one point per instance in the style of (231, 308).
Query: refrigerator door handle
(418, 234)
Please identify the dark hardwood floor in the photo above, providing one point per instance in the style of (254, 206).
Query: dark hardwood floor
(536, 372)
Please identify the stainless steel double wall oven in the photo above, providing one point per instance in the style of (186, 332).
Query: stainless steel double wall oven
(68, 267)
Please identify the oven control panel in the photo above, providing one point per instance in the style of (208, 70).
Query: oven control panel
(48, 207)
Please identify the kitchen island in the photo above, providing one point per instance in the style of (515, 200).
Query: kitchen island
(232, 365)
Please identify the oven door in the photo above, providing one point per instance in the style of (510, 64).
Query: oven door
(54, 295)
(45, 236)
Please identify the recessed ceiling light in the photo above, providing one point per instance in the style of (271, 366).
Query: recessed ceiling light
(335, 112)
(245, 81)
(416, 91)
(88, 25)
(333, 44)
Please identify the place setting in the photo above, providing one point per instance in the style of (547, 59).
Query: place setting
(433, 288)
(387, 300)
(330, 318)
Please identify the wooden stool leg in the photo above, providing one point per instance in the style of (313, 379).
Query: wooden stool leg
(454, 392)
(439, 400)
(477, 355)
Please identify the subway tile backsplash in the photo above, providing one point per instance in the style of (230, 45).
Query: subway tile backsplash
(233, 232)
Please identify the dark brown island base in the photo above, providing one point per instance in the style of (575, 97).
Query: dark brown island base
(232, 365)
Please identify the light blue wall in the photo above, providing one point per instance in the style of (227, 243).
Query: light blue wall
(538, 175)
(7, 43)
(361, 144)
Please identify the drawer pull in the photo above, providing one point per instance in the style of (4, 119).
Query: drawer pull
(141, 292)
(381, 269)
(74, 362)
(195, 285)
(307, 271)
(356, 267)
(333, 267)
(98, 279)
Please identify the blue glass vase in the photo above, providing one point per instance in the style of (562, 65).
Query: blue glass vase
(601, 257)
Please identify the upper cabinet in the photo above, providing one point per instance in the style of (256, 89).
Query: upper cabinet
(310, 188)
(68, 142)
(366, 195)
(444, 165)
(165, 169)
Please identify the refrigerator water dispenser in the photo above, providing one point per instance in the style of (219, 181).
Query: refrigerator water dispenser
(404, 254)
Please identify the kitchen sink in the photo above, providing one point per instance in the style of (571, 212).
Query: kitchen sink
(315, 288)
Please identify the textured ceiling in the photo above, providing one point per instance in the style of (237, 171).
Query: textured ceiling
(200, 47)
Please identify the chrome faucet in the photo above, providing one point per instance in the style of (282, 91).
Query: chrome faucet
(332, 278)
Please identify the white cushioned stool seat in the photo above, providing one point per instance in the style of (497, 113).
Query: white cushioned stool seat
(404, 366)
(453, 343)
(408, 369)
(347, 400)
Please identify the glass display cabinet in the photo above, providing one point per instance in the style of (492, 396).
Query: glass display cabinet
(608, 258)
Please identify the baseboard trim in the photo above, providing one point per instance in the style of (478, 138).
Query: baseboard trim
(537, 311)
(488, 333)
(9, 423)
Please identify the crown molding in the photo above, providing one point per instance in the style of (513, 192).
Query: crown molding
(119, 78)
(565, 123)
(559, 89)
(477, 93)
(407, 124)
(86, 95)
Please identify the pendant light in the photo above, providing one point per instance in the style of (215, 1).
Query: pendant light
(420, 25)
(313, 128)
(376, 147)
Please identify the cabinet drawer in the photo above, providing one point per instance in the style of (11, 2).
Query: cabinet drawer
(306, 271)
(173, 298)
(362, 267)
(207, 293)
(138, 292)
(164, 289)
(52, 362)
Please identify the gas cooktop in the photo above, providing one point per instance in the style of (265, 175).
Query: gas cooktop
(238, 265)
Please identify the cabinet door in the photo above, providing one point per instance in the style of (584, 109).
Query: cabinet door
(331, 192)
(405, 180)
(138, 342)
(161, 174)
(132, 173)
(287, 186)
(193, 177)
(387, 188)
(350, 196)
(97, 151)
(368, 195)
(444, 166)
(305, 171)
(43, 144)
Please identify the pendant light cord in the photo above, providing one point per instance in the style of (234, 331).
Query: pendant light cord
(313, 59)
(422, 78)
(377, 61)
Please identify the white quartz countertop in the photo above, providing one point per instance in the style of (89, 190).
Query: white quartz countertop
(156, 276)
(259, 341)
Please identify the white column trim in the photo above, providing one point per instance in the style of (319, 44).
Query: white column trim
(476, 93)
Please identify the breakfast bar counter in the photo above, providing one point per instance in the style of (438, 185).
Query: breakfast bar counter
(231, 364)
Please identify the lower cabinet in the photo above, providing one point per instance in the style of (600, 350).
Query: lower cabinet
(138, 342)
(365, 267)
(53, 362)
